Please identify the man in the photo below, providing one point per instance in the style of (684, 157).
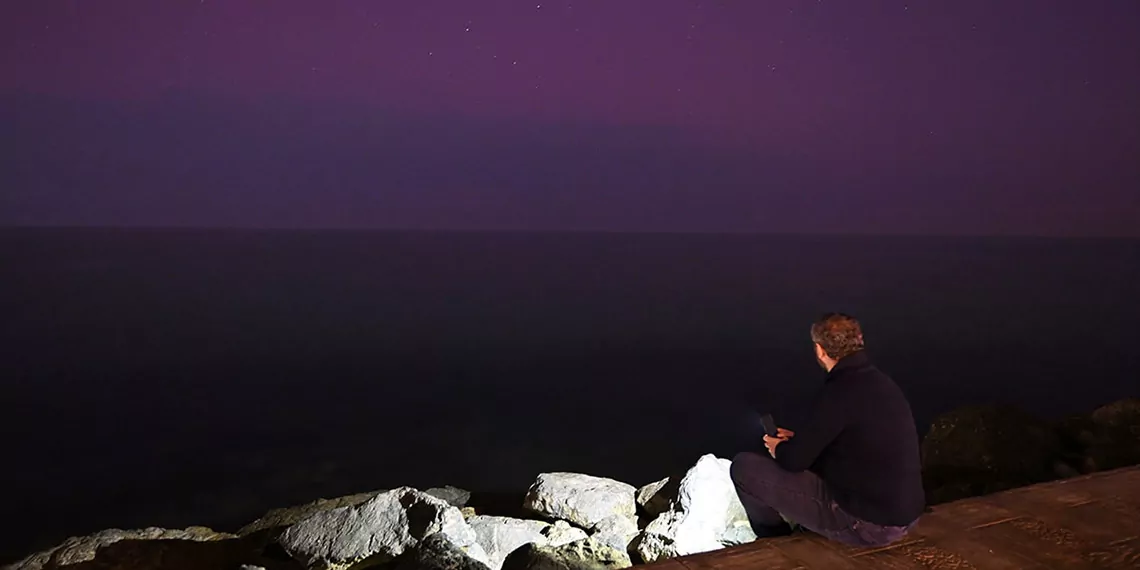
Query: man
(853, 473)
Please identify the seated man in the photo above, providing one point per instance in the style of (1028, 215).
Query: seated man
(853, 473)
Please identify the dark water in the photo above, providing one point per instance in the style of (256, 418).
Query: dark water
(182, 377)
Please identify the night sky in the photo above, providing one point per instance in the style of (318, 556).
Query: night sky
(947, 117)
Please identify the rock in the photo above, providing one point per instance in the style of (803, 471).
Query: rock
(738, 534)
(663, 539)
(584, 500)
(77, 550)
(499, 536)
(454, 496)
(706, 515)
(437, 552)
(379, 530)
(561, 533)
(616, 531)
(280, 518)
(1064, 470)
(1107, 438)
(979, 450)
(657, 497)
(585, 554)
(1119, 431)
(1078, 435)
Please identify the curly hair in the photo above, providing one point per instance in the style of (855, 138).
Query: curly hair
(838, 334)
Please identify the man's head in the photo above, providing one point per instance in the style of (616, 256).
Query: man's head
(835, 335)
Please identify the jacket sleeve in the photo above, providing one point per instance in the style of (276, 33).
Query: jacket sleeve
(827, 421)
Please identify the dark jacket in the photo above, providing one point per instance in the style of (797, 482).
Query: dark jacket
(862, 441)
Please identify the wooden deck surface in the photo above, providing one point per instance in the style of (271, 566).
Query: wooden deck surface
(1092, 521)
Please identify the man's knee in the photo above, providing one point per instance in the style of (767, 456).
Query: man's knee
(750, 466)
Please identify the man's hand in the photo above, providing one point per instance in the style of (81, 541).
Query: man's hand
(782, 435)
(771, 443)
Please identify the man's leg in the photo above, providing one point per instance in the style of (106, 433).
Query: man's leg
(768, 491)
(766, 520)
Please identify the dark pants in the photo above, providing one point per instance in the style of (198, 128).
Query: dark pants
(768, 491)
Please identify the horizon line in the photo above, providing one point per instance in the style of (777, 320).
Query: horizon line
(587, 231)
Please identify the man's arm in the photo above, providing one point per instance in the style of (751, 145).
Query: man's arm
(828, 419)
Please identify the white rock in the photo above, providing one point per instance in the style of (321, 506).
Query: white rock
(653, 498)
(585, 554)
(738, 534)
(381, 528)
(561, 532)
(436, 552)
(707, 494)
(285, 517)
(500, 536)
(584, 500)
(667, 536)
(706, 515)
(616, 531)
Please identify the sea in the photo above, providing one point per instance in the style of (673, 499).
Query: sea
(175, 377)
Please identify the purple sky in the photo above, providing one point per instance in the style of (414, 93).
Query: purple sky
(962, 117)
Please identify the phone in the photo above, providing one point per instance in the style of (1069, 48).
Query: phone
(769, 424)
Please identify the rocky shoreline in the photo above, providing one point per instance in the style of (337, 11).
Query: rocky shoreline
(572, 521)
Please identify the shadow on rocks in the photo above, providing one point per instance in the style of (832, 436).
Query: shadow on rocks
(180, 555)
(983, 449)
(1106, 438)
(979, 450)
(436, 552)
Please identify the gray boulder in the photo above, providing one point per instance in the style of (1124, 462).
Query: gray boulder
(561, 532)
(657, 497)
(706, 515)
(454, 496)
(499, 536)
(77, 550)
(617, 531)
(584, 500)
(660, 538)
(281, 518)
(378, 530)
(740, 534)
(437, 552)
(585, 554)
